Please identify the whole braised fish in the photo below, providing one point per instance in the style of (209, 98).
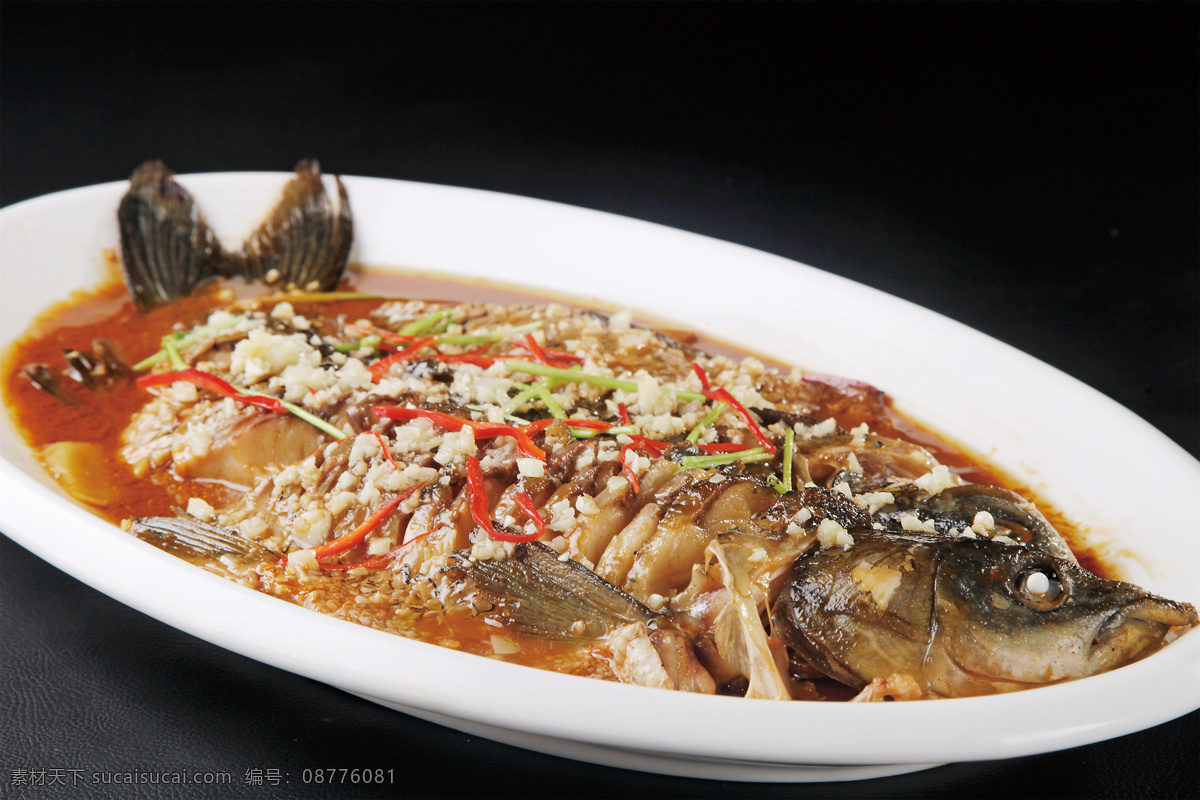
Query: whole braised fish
(697, 567)
(499, 477)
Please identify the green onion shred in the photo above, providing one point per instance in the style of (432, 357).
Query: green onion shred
(184, 338)
(311, 419)
(751, 456)
(577, 376)
(709, 418)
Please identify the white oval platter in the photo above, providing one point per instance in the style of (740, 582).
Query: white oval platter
(1053, 433)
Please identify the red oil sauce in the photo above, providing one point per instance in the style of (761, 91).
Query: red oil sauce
(99, 416)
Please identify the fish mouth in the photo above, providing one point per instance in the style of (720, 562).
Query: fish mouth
(1152, 610)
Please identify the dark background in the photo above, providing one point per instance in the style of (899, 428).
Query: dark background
(1030, 170)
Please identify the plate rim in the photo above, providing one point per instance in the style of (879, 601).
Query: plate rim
(1011, 744)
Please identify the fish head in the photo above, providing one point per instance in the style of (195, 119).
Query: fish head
(1010, 617)
(861, 612)
(964, 617)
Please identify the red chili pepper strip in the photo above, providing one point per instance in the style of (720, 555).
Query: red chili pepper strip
(344, 543)
(479, 506)
(526, 503)
(624, 413)
(447, 421)
(593, 424)
(629, 473)
(478, 496)
(723, 395)
(504, 536)
(417, 346)
(483, 430)
(375, 562)
(381, 333)
(475, 357)
(653, 446)
(486, 430)
(407, 354)
(212, 383)
(535, 350)
(549, 358)
(383, 444)
(562, 355)
(537, 426)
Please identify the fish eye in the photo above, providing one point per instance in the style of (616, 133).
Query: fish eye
(1040, 588)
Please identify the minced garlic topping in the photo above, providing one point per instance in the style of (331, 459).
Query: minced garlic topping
(831, 534)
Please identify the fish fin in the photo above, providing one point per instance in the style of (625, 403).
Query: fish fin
(167, 249)
(740, 636)
(305, 240)
(538, 594)
(187, 533)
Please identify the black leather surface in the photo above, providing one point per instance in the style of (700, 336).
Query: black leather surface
(1030, 171)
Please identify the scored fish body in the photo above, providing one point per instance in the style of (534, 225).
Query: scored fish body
(684, 557)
